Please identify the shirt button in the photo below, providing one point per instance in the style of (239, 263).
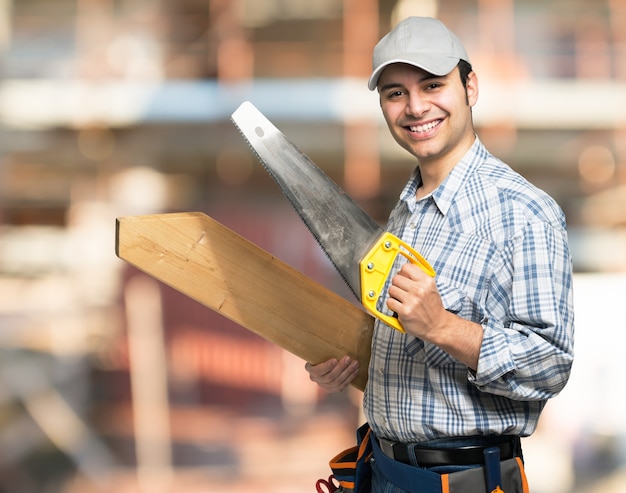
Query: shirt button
(412, 225)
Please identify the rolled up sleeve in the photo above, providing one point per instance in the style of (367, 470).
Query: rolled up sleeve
(527, 349)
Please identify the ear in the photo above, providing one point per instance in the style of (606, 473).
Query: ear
(471, 88)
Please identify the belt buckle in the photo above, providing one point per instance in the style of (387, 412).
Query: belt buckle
(387, 447)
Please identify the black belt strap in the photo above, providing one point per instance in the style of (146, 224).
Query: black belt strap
(463, 456)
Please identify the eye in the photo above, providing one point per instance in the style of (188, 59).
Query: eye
(395, 94)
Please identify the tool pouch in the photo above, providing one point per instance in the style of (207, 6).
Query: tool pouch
(351, 467)
(413, 479)
(473, 480)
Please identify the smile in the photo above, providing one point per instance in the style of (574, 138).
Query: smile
(425, 127)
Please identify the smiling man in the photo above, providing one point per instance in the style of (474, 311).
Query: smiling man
(490, 339)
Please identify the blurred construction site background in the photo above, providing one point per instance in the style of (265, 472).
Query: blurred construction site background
(109, 380)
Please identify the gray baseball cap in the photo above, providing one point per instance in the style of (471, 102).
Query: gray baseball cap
(423, 42)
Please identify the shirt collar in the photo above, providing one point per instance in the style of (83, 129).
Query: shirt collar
(444, 194)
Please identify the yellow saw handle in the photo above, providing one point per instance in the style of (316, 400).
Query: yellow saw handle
(375, 268)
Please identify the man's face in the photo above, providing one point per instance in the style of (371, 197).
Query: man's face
(429, 116)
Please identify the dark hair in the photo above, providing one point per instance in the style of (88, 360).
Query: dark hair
(465, 68)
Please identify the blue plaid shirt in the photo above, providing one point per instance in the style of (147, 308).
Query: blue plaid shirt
(499, 247)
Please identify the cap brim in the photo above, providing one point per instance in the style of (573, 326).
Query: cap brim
(439, 66)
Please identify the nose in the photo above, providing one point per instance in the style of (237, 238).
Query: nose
(416, 105)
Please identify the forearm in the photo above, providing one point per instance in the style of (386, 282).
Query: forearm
(460, 338)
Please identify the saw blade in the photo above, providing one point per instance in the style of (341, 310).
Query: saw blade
(342, 228)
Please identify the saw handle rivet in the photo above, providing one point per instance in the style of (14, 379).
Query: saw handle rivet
(371, 294)
(370, 266)
(387, 245)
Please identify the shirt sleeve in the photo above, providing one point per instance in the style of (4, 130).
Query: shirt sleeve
(527, 348)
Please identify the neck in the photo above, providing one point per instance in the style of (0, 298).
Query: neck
(434, 172)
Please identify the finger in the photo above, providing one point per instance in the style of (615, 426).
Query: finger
(400, 282)
(396, 306)
(415, 272)
(404, 270)
(337, 370)
(320, 369)
(337, 378)
(344, 378)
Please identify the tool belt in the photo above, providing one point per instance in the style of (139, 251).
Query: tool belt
(352, 467)
(510, 471)
(459, 456)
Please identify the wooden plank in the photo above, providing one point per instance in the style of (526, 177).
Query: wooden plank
(215, 266)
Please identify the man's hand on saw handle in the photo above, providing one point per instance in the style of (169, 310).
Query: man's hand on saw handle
(332, 375)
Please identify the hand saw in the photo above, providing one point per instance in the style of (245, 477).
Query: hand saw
(361, 251)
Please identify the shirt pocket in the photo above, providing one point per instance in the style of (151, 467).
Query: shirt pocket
(453, 298)
(432, 356)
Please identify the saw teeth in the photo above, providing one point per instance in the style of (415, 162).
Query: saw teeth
(294, 205)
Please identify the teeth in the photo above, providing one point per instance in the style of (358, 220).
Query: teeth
(424, 128)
